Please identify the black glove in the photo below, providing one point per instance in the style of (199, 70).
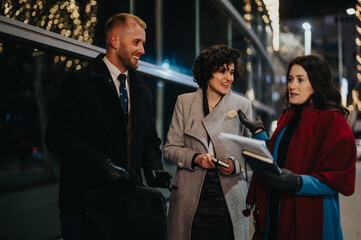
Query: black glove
(158, 178)
(288, 181)
(253, 126)
(117, 175)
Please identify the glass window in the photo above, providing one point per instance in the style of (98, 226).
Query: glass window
(213, 24)
(30, 80)
(145, 9)
(239, 42)
(179, 35)
(103, 10)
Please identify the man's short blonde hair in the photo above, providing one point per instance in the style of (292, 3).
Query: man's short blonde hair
(120, 19)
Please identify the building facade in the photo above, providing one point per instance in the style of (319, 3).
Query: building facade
(43, 40)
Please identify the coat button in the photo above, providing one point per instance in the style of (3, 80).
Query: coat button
(242, 169)
(180, 164)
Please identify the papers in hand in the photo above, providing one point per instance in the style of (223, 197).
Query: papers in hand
(257, 155)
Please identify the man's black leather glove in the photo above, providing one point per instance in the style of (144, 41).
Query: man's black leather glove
(158, 178)
(253, 126)
(288, 181)
(117, 175)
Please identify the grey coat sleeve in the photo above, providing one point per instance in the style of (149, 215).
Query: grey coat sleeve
(174, 149)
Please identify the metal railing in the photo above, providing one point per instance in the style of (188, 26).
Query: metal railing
(49, 40)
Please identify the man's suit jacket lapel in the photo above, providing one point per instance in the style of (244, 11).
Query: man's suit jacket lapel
(99, 72)
(135, 95)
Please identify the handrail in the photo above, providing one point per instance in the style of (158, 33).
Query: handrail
(54, 41)
(46, 39)
(41, 37)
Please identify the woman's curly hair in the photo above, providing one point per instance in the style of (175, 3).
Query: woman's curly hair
(211, 59)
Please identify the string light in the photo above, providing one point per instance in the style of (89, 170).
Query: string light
(358, 29)
(249, 51)
(358, 42)
(272, 7)
(63, 17)
(249, 67)
(355, 92)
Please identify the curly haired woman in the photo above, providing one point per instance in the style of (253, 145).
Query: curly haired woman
(209, 200)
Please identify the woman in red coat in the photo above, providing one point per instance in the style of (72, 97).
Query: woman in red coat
(316, 150)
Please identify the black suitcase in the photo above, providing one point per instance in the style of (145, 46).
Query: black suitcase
(125, 213)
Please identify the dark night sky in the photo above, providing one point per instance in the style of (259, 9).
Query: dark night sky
(293, 9)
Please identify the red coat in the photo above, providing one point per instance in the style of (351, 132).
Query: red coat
(322, 146)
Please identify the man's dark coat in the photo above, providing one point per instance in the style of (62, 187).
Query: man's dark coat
(87, 127)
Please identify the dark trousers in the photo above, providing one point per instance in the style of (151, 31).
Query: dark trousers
(70, 226)
(212, 220)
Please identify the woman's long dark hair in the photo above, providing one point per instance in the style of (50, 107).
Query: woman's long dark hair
(326, 95)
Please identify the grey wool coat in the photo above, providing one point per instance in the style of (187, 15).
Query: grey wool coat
(188, 135)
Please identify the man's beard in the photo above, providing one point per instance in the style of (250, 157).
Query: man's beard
(131, 66)
(127, 62)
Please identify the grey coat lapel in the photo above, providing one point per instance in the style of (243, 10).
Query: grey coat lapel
(198, 126)
(194, 126)
(213, 123)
